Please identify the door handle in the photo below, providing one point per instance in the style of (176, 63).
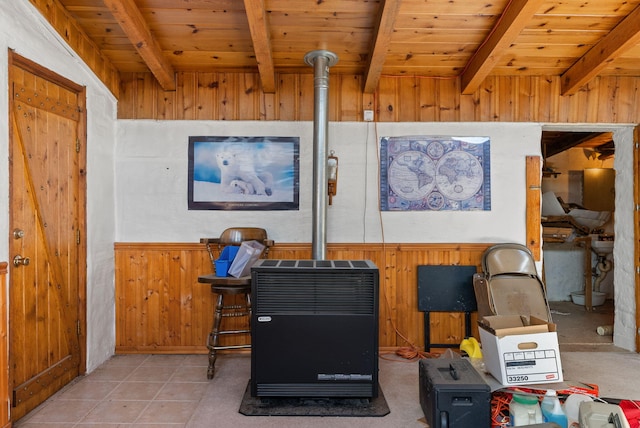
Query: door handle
(19, 260)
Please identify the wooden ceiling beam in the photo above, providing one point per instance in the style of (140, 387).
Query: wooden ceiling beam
(565, 141)
(261, 38)
(510, 24)
(135, 27)
(380, 44)
(623, 37)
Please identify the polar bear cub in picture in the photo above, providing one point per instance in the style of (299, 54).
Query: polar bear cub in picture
(241, 187)
(238, 175)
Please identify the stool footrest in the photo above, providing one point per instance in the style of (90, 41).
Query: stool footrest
(236, 314)
(219, 348)
(234, 331)
(235, 307)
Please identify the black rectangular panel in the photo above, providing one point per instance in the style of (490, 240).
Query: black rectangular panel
(443, 288)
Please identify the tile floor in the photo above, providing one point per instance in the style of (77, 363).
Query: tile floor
(172, 391)
(154, 390)
(164, 391)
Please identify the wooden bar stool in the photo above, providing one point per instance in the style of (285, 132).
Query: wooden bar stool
(225, 287)
(229, 286)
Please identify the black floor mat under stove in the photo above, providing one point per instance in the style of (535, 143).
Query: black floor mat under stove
(314, 406)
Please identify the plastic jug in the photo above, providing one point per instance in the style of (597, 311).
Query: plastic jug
(552, 409)
(524, 410)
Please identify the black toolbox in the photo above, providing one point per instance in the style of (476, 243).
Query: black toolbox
(454, 394)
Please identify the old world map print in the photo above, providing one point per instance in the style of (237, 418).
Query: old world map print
(435, 173)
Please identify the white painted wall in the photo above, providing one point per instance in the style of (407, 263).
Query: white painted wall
(623, 250)
(151, 185)
(24, 30)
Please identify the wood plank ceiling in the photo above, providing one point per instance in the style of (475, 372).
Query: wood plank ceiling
(443, 39)
(600, 144)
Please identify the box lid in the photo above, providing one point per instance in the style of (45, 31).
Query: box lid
(507, 325)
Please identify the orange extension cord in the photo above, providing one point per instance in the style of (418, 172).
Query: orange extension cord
(411, 352)
(500, 409)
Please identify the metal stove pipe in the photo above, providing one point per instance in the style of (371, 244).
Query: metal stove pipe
(320, 60)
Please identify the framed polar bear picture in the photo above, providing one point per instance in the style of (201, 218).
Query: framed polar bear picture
(244, 173)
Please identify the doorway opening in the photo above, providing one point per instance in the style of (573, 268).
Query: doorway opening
(578, 202)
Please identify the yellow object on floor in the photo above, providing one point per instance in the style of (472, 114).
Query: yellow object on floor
(471, 347)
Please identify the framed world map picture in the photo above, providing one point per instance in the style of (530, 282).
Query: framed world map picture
(435, 173)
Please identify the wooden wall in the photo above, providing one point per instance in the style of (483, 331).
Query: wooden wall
(238, 96)
(161, 307)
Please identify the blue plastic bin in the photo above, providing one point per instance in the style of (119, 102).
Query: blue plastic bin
(226, 258)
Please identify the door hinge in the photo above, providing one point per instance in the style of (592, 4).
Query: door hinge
(77, 145)
(78, 329)
(78, 237)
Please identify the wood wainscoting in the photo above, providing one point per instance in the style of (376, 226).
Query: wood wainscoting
(161, 307)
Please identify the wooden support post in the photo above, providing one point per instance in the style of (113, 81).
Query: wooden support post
(588, 287)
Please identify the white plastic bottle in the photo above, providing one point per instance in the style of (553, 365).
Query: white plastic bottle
(524, 410)
(552, 409)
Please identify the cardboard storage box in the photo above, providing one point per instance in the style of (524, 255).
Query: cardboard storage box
(520, 350)
(519, 339)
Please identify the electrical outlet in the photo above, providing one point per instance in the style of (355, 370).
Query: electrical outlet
(368, 115)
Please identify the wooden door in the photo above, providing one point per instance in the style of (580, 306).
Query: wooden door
(47, 266)
(599, 189)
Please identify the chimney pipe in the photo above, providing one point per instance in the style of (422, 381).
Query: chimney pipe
(320, 60)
